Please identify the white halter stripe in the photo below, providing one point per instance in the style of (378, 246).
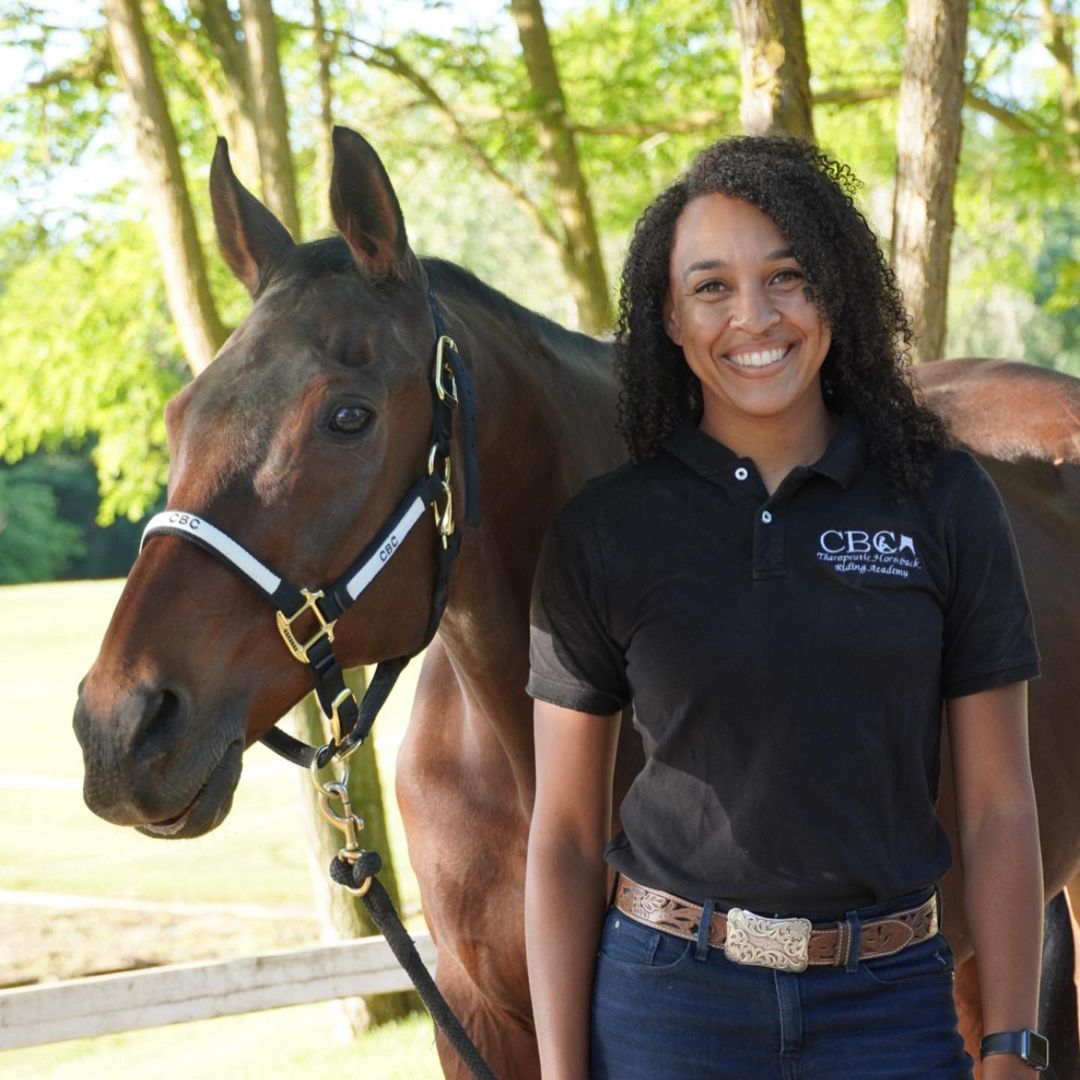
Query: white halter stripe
(224, 545)
(400, 529)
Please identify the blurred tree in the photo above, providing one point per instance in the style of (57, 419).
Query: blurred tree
(35, 544)
(775, 69)
(269, 111)
(82, 360)
(928, 149)
(156, 147)
(580, 245)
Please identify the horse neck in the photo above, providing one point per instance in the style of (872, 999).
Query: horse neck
(538, 397)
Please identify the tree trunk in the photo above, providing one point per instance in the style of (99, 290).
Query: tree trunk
(1055, 26)
(183, 267)
(270, 112)
(581, 247)
(236, 116)
(775, 70)
(928, 135)
(325, 47)
(341, 915)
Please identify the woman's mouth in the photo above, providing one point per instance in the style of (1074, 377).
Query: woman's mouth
(760, 358)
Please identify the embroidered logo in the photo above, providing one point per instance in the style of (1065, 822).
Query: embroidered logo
(856, 551)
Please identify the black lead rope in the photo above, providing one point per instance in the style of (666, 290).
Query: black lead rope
(352, 720)
(380, 908)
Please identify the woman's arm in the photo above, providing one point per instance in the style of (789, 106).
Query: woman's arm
(565, 879)
(999, 853)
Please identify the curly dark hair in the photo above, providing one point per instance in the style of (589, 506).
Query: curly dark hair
(808, 196)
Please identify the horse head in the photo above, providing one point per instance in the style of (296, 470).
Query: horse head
(298, 441)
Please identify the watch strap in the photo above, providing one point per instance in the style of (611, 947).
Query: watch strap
(1029, 1046)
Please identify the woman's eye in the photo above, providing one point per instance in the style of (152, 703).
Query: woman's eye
(710, 287)
(784, 277)
(350, 419)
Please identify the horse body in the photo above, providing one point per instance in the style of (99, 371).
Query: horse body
(465, 776)
(340, 330)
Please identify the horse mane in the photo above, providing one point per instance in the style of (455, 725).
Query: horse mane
(330, 256)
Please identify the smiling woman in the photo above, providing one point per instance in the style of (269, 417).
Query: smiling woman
(822, 574)
(739, 308)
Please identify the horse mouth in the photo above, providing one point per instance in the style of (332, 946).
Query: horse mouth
(210, 805)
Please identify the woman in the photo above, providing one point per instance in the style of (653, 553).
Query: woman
(786, 584)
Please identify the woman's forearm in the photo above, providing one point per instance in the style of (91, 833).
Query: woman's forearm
(564, 909)
(1003, 898)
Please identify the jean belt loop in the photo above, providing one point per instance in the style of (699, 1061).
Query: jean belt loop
(701, 947)
(854, 932)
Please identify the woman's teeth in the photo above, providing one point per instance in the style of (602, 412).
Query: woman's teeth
(757, 359)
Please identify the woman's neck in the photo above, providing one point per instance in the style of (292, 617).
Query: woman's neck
(775, 447)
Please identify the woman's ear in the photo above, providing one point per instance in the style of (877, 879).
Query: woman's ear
(672, 325)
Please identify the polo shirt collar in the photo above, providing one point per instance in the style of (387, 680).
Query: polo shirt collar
(841, 461)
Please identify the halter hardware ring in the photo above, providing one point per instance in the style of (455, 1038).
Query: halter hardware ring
(444, 518)
(341, 774)
(443, 371)
(285, 622)
(347, 822)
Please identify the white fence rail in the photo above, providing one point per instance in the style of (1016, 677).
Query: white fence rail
(103, 1004)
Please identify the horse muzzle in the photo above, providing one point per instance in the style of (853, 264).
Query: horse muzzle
(150, 765)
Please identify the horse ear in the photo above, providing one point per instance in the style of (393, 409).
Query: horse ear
(366, 210)
(250, 237)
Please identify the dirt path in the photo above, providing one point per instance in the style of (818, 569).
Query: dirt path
(49, 936)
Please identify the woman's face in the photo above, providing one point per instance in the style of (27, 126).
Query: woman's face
(737, 306)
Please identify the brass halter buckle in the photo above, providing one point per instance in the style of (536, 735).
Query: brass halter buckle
(445, 383)
(285, 623)
(783, 944)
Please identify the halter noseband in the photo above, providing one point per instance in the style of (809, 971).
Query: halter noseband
(351, 720)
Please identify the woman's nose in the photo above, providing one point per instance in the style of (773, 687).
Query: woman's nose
(754, 311)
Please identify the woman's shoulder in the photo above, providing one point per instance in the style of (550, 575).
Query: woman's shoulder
(958, 472)
(611, 495)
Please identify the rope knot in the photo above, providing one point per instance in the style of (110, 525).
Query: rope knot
(352, 873)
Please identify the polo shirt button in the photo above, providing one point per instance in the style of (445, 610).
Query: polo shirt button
(741, 473)
(766, 516)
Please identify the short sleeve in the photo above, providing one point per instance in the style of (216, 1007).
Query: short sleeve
(574, 661)
(989, 635)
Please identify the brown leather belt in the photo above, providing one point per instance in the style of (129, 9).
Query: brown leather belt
(786, 944)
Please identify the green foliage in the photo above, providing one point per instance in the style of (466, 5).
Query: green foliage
(35, 545)
(89, 351)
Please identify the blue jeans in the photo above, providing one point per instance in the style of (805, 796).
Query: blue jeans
(668, 1008)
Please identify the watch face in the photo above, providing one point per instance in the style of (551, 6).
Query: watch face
(1036, 1050)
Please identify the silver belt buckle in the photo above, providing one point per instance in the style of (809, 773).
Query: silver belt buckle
(783, 944)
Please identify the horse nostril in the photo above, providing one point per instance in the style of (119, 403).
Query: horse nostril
(160, 727)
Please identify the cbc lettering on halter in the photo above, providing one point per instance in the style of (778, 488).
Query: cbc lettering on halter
(388, 548)
(889, 552)
(184, 521)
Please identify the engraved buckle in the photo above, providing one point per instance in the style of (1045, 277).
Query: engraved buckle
(783, 944)
(298, 648)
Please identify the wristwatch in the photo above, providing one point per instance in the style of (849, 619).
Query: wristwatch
(1029, 1046)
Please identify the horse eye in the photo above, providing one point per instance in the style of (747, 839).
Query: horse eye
(350, 419)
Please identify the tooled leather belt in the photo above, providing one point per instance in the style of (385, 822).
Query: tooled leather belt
(790, 944)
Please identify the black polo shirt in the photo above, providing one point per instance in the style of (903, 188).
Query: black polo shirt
(786, 657)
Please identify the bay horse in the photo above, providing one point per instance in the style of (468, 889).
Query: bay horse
(299, 440)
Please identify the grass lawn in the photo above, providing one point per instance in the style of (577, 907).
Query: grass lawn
(281, 1044)
(50, 843)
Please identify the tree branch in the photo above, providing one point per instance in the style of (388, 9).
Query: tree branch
(389, 59)
(89, 68)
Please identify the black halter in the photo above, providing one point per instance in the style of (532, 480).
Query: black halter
(351, 720)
